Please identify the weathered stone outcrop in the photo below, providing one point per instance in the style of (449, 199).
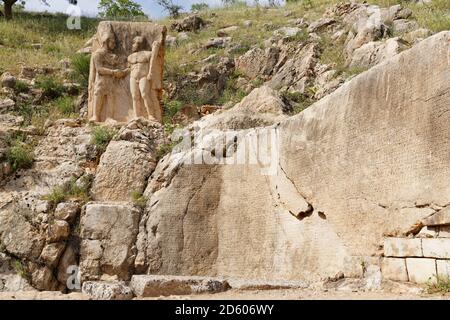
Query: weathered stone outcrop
(369, 158)
(154, 286)
(108, 235)
(128, 161)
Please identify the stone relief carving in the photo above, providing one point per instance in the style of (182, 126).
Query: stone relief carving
(126, 72)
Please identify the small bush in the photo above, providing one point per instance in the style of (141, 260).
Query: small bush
(21, 87)
(50, 86)
(101, 136)
(20, 269)
(139, 199)
(170, 109)
(199, 6)
(70, 191)
(165, 149)
(65, 105)
(57, 195)
(80, 65)
(297, 101)
(20, 155)
(441, 285)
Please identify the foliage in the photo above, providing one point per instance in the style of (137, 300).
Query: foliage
(139, 199)
(20, 155)
(80, 65)
(197, 7)
(65, 105)
(48, 29)
(297, 101)
(101, 136)
(165, 149)
(170, 109)
(174, 10)
(120, 9)
(51, 87)
(72, 190)
(20, 87)
(440, 285)
(21, 269)
(234, 3)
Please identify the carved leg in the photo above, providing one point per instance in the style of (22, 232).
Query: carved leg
(155, 105)
(99, 99)
(146, 93)
(136, 95)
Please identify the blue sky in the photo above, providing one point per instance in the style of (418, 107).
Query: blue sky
(89, 7)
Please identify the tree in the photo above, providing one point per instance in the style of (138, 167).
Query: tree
(196, 7)
(119, 9)
(168, 5)
(8, 6)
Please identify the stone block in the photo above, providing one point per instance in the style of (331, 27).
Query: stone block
(421, 270)
(402, 247)
(443, 268)
(444, 232)
(99, 290)
(436, 248)
(154, 285)
(439, 218)
(394, 269)
(108, 232)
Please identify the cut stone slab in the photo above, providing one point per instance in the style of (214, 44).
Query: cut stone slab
(427, 232)
(444, 232)
(443, 268)
(421, 270)
(108, 232)
(99, 290)
(243, 284)
(438, 219)
(394, 269)
(402, 247)
(155, 285)
(436, 248)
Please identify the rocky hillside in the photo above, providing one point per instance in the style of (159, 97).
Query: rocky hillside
(112, 200)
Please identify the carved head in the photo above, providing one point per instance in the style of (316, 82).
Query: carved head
(138, 43)
(107, 38)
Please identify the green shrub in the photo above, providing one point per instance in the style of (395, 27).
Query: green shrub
(101, 136)
(50, 86)
(70, 191)
(21, 86)
(297, 101)
(57, 195)
(20, 155)
(65, 105)
(20, 269)
(80, 65)
(170, 109)
(199, 6)
(441, 285)
(139, 199)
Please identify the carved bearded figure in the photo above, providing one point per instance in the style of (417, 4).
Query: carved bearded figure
(104, 71)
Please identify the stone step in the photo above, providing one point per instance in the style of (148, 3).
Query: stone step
(104, 290)
(157, 285)
(244, 284)
(415, 248)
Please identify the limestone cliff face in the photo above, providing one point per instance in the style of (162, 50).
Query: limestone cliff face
(370, 158)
